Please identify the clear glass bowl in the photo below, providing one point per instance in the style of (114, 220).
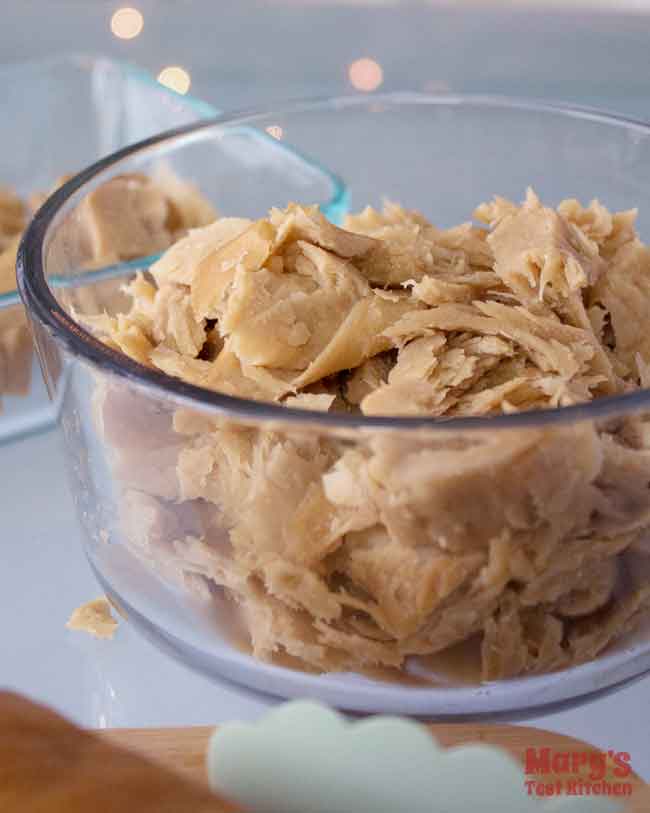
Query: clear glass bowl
(158, 551)
(58, 116)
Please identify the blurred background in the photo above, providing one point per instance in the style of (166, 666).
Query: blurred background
(242, 53)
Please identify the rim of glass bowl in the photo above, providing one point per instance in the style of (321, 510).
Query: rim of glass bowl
(43, 306)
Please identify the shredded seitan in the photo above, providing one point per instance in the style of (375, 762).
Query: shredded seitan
(354, 550)
(15, 341)
(129, 216)
(95, 618)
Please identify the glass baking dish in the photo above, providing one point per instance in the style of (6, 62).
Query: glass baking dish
(58, 116)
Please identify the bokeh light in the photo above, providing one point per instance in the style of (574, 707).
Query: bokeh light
(127, 23)
(275, 130)
(176, 78)
(365, 74)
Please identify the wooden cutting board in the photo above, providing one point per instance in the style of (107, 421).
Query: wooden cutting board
(183, 749)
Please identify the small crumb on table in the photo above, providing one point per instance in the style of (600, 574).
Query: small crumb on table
(95, 618)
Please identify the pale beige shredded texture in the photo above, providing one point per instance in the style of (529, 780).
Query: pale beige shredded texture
(95, 618)
(350, 551)
(15, 341)
(129, 216)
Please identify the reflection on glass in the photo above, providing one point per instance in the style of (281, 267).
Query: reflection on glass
(176, 78)
(276, 131)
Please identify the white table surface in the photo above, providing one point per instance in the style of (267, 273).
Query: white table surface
(239, 54)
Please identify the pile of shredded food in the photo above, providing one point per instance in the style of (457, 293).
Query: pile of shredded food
(129, 216)
(347, 552)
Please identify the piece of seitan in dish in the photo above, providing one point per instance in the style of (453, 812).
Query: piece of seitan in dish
(15, 341)
(134, 215)
(347, 551)
(129, 216)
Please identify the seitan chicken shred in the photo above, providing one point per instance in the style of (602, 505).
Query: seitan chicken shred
(129, 216)
(352, 551)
